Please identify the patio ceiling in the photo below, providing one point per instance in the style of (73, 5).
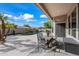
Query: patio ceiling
(55, 9)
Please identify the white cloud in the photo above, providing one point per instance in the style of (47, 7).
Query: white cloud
(43, 16)
(27, 17)
(24, 16)
(30, 20)
(16, 17)
(10, 16)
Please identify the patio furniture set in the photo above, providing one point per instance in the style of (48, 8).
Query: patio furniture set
(48, 41)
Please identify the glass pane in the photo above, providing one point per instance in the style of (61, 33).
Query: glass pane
(74, 23)
(78, 21)
(69, 24)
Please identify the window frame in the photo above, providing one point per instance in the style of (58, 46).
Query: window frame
(70, 21)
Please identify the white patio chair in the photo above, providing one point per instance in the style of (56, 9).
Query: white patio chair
(41, 40)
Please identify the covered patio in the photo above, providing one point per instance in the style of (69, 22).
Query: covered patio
(65, 23)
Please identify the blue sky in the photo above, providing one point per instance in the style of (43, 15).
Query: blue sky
(23, 13)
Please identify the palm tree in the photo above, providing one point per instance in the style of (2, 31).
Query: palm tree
(3, 19)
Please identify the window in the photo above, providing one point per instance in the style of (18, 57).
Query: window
(69, 24)
(72, 23)
(78, 21)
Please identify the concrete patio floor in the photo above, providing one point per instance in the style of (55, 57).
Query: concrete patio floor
(18, 45)
(43, 52)
(26, 45)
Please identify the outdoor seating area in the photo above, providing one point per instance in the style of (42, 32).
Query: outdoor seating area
(49, 42)
(42, 50)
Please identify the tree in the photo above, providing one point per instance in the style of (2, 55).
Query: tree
(8, 25)
(3, 19)
(47, 24)
(27, 26)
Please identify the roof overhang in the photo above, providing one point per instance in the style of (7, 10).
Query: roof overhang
(55, 10)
